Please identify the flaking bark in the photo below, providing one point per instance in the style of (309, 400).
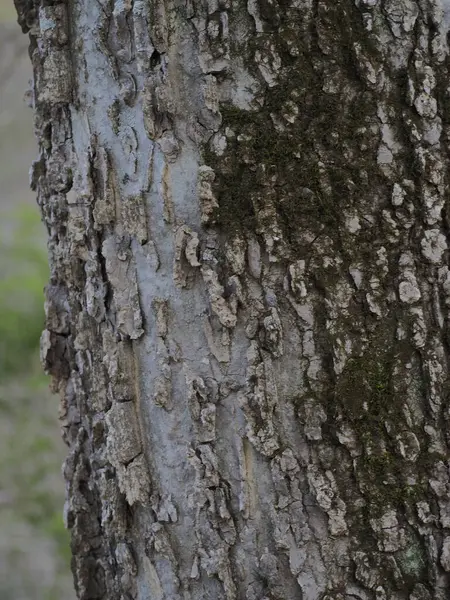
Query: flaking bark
(247, 316)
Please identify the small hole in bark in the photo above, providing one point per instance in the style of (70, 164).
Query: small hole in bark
(155, 59)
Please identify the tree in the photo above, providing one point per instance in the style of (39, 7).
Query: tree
(247, 316)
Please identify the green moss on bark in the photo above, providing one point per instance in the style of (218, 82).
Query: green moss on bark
(309, 152)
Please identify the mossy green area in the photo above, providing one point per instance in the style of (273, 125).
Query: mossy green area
(367, 399)
(309, 153)
(306, 157)
(31, 451)
(412, 560)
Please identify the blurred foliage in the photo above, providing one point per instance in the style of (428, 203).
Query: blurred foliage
(33, 536)
(23, 273)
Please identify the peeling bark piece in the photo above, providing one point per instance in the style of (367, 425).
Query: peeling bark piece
(133, 218)
(391, 537)
(235, 253)
(433, 246)
(260, 401)
(168, 213)
(57, 310)
(324, 488)
(186, 245)
(54, 354)
(134, 480)
(165, 509)
(219, 305)
(161, 308)
(105, 202)
(254, 257)
(202, 410)
(163, 392)
(163, 383)
(119, 362)
(121, 273)
(219, 344)
(55, 85)
(445, 554)
(208, 202)
(273, 337)
(95, 289)
(124, 440)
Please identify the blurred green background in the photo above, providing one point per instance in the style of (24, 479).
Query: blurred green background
(34, 546)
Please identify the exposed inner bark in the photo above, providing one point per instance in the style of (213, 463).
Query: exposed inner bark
(247, 317)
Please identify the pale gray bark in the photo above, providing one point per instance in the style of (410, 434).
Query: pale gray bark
(247, 318)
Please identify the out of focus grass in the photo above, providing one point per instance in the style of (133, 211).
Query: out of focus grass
(33, 536)
(23, 273)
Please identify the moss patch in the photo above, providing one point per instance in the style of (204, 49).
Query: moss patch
(310, 153)
(366, 399)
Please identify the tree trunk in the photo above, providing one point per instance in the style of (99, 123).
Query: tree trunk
(247, 317)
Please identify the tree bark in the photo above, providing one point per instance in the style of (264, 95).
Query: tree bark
(247, 316)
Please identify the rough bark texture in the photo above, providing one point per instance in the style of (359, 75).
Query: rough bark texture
(247, 317)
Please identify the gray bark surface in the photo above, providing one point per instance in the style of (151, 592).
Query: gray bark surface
(247, 317)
